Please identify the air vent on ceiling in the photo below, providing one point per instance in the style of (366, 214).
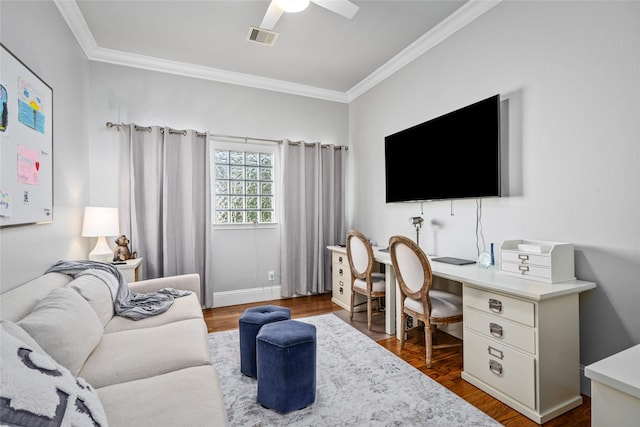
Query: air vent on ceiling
(262, 36)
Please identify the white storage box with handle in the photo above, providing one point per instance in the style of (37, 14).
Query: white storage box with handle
(548, 262)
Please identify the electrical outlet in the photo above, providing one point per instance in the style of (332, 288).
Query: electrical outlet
(272, 275)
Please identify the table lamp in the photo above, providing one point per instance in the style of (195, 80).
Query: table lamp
(100, 222)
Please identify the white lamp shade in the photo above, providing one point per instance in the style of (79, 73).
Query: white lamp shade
(100, 222)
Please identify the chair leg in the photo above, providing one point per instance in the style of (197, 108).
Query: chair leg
(368, 313)
(353, 304)
(428, 342)
(403, 323)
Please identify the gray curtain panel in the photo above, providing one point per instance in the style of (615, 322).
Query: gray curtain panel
(165, 203)
(312, 215)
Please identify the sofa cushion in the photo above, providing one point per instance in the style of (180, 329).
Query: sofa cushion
(142, 353)
(22, 335)
(183, 308)
(97, 294)
(18, 302)
(187, 397)
(65, 326)
(38, 391)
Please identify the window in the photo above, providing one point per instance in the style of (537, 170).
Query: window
(244, 191)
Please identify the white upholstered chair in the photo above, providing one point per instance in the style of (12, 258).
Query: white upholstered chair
(364, 280)
(417, 299)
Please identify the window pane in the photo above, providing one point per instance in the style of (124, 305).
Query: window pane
(236, 157)
(252, 158)
(252, 216)
(237, 203)
(266, 159)
(222, 202)
(237, 172)
(252, 188)
(222, 217)
(237, 187)
(267, 216)
(221, 157)
(237, 217)
(252, 202)
(222, 187)
(267, 202)
(222, 172)
(265, 174)
(267, 188)
(252, 173)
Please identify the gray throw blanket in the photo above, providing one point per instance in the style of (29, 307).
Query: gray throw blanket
(129, 304)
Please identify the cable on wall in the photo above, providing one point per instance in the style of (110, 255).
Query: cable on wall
(479, 231)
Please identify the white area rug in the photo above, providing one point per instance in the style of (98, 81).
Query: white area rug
(359, 383)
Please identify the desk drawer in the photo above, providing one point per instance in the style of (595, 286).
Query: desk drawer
(500, 330)
(505, 369)
(342, 289)
(499, 305)
(340, 259)
(527, 270)
(526, 258)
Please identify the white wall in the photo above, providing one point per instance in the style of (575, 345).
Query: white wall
(570, 72)
(242, 257)
(36, 33)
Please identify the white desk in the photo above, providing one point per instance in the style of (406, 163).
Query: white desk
(615, 389)
(490, 279)
(533, 365)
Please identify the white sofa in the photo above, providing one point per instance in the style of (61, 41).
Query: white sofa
(151, 372)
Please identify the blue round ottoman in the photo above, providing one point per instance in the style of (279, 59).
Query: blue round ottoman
(286, 354)
(249, 324)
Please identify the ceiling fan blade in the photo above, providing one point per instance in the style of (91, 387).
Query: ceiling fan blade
(271, 17)
(341, 7)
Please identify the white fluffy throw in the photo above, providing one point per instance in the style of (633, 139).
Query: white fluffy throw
(38, 391)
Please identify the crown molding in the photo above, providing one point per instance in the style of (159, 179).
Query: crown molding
(466, 14)
(460, 18)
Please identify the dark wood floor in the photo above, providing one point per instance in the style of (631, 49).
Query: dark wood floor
(446, 366)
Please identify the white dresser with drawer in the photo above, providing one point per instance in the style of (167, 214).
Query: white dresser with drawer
(341, 276)
(525, 352)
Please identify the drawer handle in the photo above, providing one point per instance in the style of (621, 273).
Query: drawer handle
(523, 258)
(341, 290)
(495, 305)
(495, 330)
(523, 268)
(495, 367)
(340, 259)
(495, 353)
(340, 272)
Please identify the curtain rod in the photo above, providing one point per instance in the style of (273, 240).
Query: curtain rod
(214, 135)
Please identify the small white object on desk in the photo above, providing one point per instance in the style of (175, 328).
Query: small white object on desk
(548, 262)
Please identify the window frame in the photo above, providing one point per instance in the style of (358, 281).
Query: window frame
(267, 148)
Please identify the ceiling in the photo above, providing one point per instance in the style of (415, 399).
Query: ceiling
(318, 53)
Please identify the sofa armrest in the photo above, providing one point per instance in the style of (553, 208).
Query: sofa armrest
(187, 282)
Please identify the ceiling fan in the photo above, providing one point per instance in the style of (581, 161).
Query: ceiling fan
(278, 7)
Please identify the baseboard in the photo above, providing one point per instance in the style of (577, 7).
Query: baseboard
(246, 296)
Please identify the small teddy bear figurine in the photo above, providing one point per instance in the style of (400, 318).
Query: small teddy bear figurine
(122, 252)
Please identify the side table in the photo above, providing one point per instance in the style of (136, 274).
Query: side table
(130, 270)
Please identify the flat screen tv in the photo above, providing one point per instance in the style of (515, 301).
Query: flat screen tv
(454, 156)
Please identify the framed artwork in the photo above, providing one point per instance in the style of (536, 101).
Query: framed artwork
(26, 144)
